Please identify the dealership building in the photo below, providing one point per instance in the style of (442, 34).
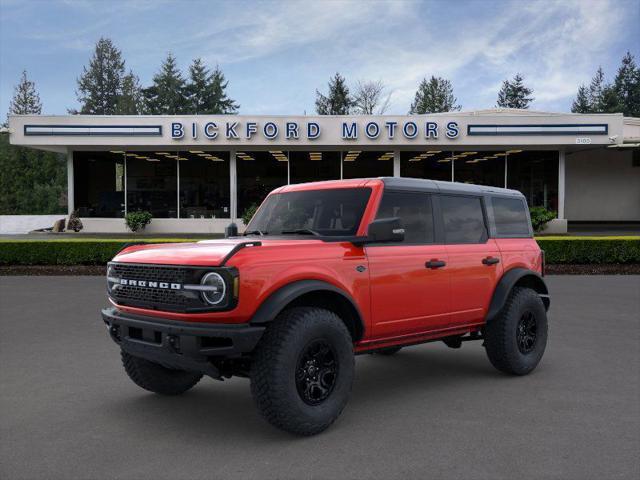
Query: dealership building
(197, 173)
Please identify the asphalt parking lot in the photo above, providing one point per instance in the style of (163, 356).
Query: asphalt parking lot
(67, 410)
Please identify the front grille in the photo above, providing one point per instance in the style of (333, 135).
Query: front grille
(149, 272)
(158, 292)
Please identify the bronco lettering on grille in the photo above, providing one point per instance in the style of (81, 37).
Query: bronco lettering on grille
(148, 284)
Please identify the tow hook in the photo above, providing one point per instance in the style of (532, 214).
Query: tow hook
(174, 343)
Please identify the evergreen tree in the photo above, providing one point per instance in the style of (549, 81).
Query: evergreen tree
(99, 86)
(130, 101)
(218, 100)
(433, 96)
(627, 86)
(31, 181)
(25, 99)
(514, 94)
(167, 95)
(596, 91)
(338, 101)
(206, 91)
(581, 104)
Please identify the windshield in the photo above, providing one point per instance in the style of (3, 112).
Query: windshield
(332, 212)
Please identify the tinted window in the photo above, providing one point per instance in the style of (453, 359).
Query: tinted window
(328, 212)
(463, 219)
(510, 217)
(414, 211)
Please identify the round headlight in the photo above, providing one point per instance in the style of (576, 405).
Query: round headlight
(214, 288)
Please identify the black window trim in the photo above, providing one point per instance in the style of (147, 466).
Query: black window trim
(485, 218)
(438, 238)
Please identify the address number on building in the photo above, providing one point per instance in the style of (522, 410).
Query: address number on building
(583, 141)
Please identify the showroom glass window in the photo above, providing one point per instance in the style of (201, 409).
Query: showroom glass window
(429, 163)
(258, 173)
(204, 184)
(535, 174)
(314, 166)
(480, 167)
(99, 184)
(364, 164)
(152, 184)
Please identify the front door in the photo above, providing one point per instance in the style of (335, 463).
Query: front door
(409, 280)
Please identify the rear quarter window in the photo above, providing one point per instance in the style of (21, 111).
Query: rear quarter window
(510, 216)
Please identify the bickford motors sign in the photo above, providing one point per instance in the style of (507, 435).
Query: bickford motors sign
(294, 130)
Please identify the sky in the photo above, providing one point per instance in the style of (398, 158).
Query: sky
(276, 54)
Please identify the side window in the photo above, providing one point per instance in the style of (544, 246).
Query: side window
(510, 217)
(463, 219)
(414, 211)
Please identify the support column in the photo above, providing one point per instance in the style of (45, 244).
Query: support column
(233, 186)
(396, 163)
(561, 182)
(70, 183)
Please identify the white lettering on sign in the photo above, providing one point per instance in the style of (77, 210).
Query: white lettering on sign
(583, 141)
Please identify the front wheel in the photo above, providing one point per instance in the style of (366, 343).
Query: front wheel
(302, 371)
(516, 339)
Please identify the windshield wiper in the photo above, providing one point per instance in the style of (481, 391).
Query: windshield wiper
(254, 232)
(301, 231)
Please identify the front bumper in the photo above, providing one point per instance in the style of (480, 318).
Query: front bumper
(180, 345)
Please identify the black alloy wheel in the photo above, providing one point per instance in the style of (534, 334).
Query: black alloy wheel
(316, 372)
(526, 333)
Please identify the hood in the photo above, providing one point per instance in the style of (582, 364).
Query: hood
(210, 253)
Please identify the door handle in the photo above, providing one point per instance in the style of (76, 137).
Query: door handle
(435, 264)
(490, 260)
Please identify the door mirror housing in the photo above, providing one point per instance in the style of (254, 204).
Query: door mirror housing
(383, 230)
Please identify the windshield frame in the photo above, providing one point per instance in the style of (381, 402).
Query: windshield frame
(305, 232)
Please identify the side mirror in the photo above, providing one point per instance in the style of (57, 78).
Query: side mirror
(231, 230)
(383, 230)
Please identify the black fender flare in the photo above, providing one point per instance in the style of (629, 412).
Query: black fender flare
(278, 300)
(516, 276)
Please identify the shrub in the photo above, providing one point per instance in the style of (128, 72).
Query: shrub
(74, 223)
(540, 216)
(249, 213)
(137, 220)
(590, 250)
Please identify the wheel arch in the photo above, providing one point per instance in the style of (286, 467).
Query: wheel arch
(517, 277)
(314, 293)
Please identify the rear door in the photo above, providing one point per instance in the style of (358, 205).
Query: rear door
(474, 258)
(407, 295)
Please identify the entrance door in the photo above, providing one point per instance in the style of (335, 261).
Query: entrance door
(409, 280)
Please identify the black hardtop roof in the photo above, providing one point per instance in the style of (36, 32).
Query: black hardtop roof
(405, 183)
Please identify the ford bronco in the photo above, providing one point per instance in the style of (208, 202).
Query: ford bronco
(325, 271)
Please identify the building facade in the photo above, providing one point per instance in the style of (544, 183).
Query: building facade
(198, 173)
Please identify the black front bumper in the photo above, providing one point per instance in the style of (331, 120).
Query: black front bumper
(180, 345)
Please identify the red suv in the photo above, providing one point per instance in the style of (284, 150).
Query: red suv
(325, 271)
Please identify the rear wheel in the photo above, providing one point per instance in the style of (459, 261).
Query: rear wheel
(516, 340)
(302, 370)
(156, 378)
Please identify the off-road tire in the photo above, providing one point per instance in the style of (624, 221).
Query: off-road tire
(156, 378)
(501, 333)
(277, 361)
(387, 352)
